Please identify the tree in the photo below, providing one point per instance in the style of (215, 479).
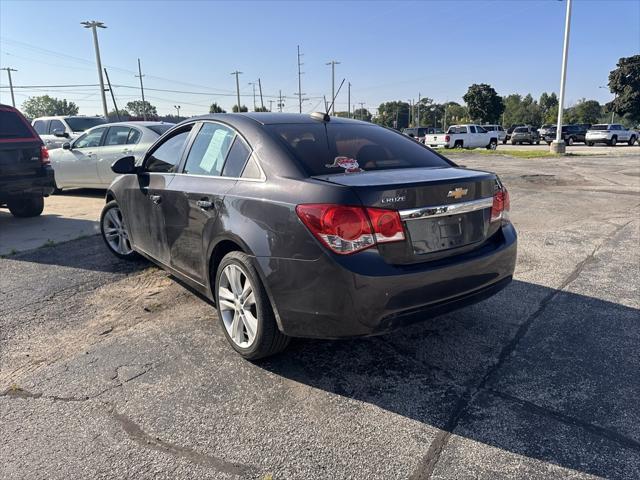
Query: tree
(362, 114)
(624, 83)
(215, 108)
(124, 116)
(138, 108)
(484, 103)
(243, 108)
(45, 105)
(261, 109)
(585, 111)
(393, 114)
(547, 103)
(455, 113)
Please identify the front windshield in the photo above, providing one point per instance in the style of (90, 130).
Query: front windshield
(80, 124)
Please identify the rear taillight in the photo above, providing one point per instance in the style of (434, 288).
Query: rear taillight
(501, 205)
(44, 156)
(347, 229)
(447, 138)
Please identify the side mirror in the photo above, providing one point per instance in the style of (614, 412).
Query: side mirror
(60, 133)
(66, 146)
(125, 165)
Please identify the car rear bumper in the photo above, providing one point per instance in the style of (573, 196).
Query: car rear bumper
(357, 295)
(28, 186)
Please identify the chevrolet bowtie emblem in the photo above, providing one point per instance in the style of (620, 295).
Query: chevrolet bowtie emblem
(457, 193)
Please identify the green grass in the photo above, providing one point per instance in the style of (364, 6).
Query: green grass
(508, 153)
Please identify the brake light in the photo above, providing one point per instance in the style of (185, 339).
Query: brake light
(501, 205)
(347, 229)
(44, 156)
(447, 138)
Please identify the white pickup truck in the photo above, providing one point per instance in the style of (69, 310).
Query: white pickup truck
(464, 136)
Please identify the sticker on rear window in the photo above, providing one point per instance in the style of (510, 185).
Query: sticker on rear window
(350, 165)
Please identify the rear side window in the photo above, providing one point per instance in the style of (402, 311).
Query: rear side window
(166, 157)
(13, 127)
(40, 126)
(236, 159)
(454, 130)
(209, 150)
(342, 148)
(134, 136)
(117, 136)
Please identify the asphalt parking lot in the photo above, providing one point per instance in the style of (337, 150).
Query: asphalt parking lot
(112, 370)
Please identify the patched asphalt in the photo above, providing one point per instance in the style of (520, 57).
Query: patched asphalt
(115, 370)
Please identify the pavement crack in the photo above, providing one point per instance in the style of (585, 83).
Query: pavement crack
(142, 438)
(427, 464)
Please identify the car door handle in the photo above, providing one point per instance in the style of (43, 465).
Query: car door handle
(205, 204)
(155, 199)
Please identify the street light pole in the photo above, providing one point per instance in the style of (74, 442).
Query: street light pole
(558, 145)
(177, 107)
(333, 64)
(94, 25)
(236, 73)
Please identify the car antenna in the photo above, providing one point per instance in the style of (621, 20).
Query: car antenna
(334, 98)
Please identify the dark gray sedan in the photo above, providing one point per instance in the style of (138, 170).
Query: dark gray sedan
(310, 226)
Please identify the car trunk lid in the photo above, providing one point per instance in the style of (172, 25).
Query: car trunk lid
(445, 211)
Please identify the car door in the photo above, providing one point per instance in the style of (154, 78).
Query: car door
(215, 158)
(146, 196)
(78, 167)
(119, 141)
(623, 133)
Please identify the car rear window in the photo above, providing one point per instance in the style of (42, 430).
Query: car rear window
(13, 127)
(338, 148)
(521, 130)
(80, 124)
(160, 129)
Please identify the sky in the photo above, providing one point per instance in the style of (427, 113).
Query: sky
(387, 50)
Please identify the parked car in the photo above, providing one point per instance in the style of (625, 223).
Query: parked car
(55, 131)
(500, 132)
(419, 133)
(310, 225)
(611, 134)
(525, 134)
(570, 134)
(464, 136)
(26, 176)
(544, 129)
(511, 129)
(86, 161)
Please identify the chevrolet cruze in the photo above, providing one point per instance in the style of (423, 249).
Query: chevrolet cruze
(310, 225)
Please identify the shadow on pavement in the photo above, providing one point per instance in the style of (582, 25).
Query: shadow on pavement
(566, 392)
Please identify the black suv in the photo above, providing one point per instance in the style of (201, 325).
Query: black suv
(26, 176)
(570, 134)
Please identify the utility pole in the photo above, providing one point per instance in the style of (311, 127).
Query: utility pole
(270, 105)
(418, 111)
(349, 100)
(300, 94)
(113, 97)
(280, 102)
(9, 70)
(361, 109)
(410, 112)
(558, 145)
(261, 99)
(236, 73)
(94, 25)
(144, 105)
(253, 84)
(177, 107)
(333, 64)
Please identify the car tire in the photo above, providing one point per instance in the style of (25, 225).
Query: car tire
(590, 144)
(238, 318)
(24, 207)
(493, 144)
(632, 140)
(549, 143)
(537, 142)
(613, 141)
(114, 232)
(570, 141)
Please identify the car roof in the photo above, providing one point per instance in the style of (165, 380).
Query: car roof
(273, 118)
(135, 123)
(62, 117)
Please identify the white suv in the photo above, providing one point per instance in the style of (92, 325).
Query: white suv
(55, 131)
(611, 134)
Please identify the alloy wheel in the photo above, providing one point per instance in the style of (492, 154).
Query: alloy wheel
(115, 232)
(237, 304)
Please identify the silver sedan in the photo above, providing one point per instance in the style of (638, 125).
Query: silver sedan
(86, 161)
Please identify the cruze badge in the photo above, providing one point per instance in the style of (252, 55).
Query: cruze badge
(399, 198)
(457, 193)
